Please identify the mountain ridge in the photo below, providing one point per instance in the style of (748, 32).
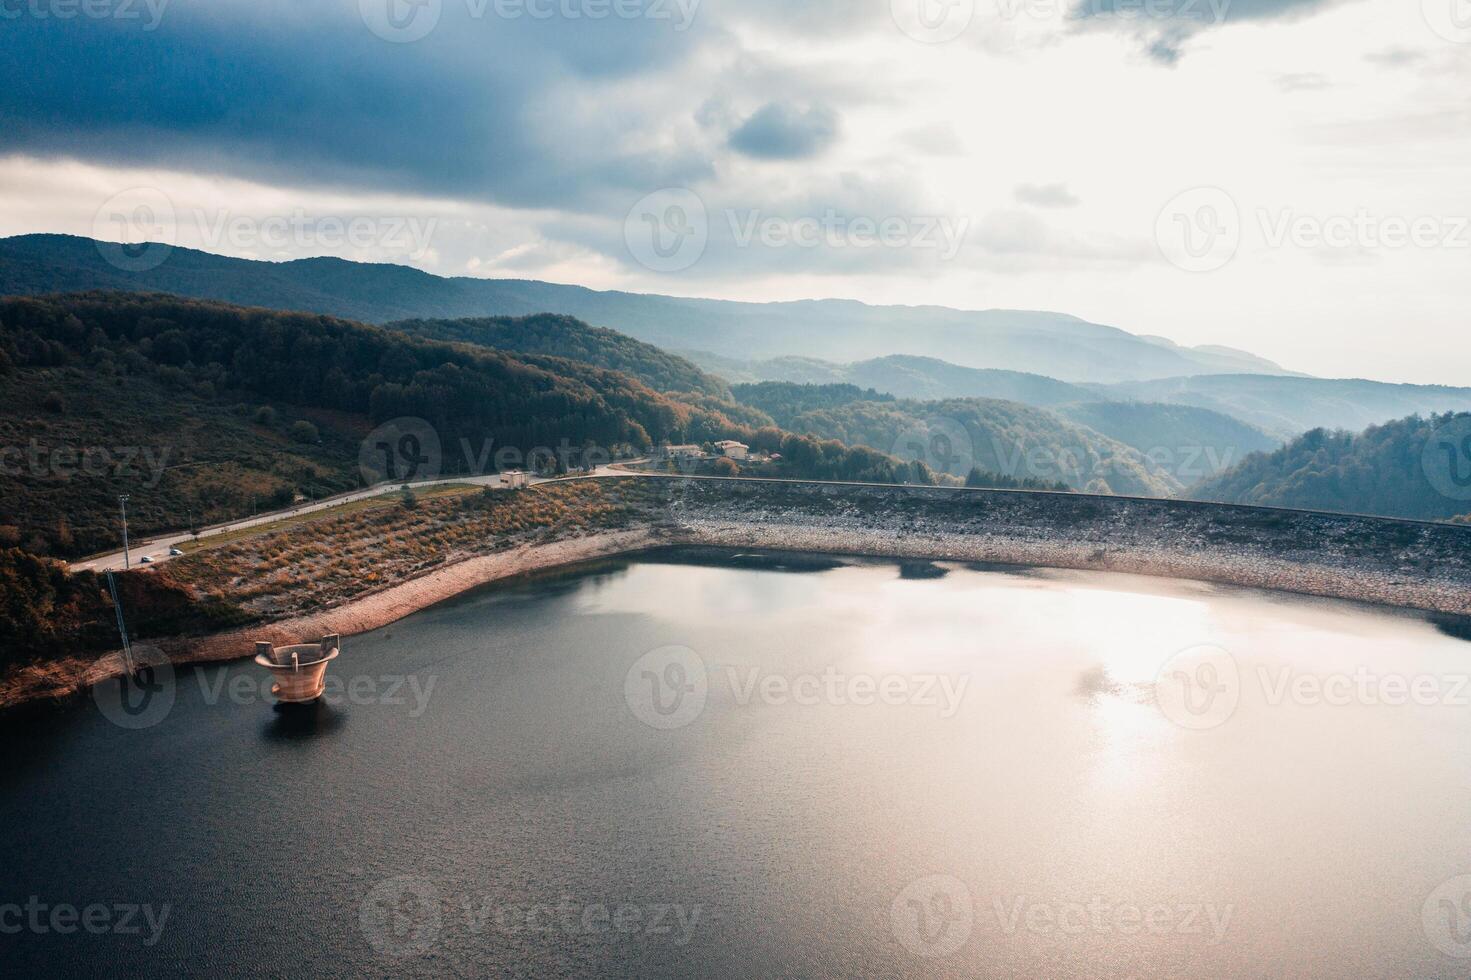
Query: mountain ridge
(1059, 345)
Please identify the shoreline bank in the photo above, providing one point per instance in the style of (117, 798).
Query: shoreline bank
(65, 679)
(1390, 564)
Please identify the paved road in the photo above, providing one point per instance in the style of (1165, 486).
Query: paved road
(158, 548)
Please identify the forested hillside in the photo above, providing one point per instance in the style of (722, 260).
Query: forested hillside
(1193, 443)
(200, 412)
(565, 336)
(1414, 468)
(785, 401)
(959, 434)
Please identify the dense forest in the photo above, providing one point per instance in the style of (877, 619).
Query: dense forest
(784, 401)
(954, 436)
(1406, 468)
(219, 411)
(565, 336)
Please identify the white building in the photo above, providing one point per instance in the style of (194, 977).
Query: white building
(732, 449)
(678, 452)
(513, 479)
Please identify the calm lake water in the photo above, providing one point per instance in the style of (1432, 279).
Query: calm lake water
(680, 768)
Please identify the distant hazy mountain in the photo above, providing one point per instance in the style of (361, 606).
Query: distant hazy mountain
(1286, 407)
(565, 336)
(1051, 344)
(903, 376)
(1413, 467)
(1192, 443)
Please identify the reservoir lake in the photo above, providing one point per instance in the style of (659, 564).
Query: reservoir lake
(725, 765)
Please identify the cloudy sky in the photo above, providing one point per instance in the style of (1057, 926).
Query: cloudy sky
(1284, 176)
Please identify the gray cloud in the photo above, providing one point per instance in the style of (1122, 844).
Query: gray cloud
(1395, 58)
(781, 131)
(484, 107)
(1046, 196)
(1303, 81)
(1163, 27)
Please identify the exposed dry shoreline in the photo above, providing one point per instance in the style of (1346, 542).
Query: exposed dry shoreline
(1360, 559)
(64, 678)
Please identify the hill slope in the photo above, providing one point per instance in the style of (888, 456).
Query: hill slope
(956, 435)
(1053, 344)
(1413, 467)
(204, 410)
(565, 336)
(1192, 443)
(904, 376)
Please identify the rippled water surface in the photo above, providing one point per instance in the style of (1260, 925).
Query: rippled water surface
(732, 769)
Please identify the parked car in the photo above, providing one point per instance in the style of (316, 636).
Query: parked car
(175, 552)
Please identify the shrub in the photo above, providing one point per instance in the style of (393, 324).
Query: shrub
(303, 431)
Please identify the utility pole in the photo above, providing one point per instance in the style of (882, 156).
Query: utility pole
(122, 500)
(122, 627)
